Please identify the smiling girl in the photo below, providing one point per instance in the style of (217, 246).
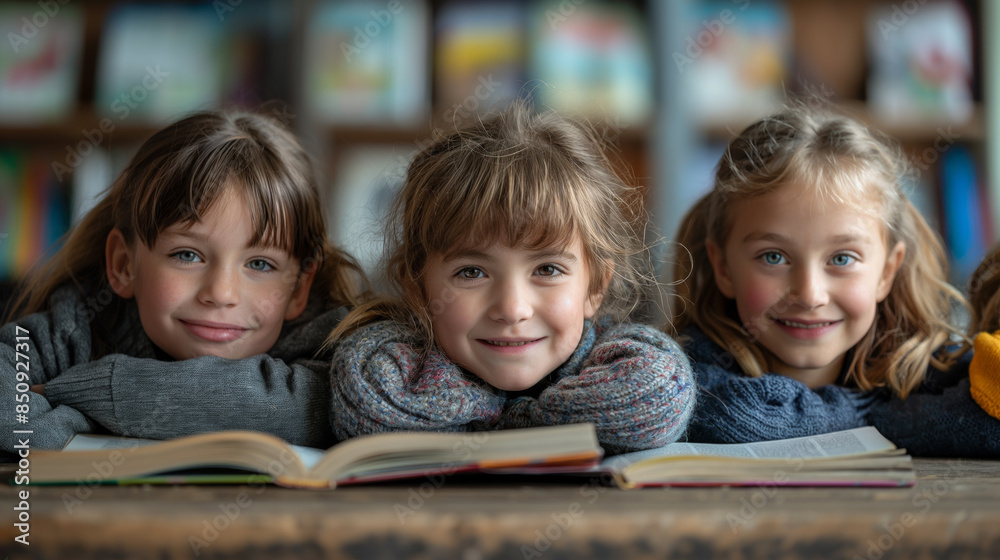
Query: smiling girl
(818, 297)
(514, 263)
(193, 297)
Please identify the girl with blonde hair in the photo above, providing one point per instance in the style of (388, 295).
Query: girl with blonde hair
(818, 297)
(516, 256)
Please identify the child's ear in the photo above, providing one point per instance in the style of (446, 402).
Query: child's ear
(300, 295)
(722, 278)
(119, 265)
(892, 263)
(595, 299)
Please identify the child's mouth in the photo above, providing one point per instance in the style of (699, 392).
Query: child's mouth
(797, 325)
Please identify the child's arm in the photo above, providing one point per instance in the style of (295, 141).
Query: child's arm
(634, 382)
(34, 350)
(285, 393)
(735, 408)
(382, 381)
(940, 419)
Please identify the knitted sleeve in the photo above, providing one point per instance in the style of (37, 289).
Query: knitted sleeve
(941, 419)
(36, 349)
(383, 381)
(735, 408)
(984, 372)
(149, 398)
(633, 382)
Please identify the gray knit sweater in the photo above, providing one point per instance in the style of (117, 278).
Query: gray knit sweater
(136, 392)
(632, 381)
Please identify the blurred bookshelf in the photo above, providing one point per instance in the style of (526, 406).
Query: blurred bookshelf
(366, 84)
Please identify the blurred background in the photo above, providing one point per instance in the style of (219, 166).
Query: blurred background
(366, 83)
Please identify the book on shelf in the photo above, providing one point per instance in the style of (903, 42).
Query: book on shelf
(479, 56)
(857, 457)
(220, 457)
(922, 63)
(733, 60)
(40, 65)
(592, 59)
(368, 66)
(160, 61)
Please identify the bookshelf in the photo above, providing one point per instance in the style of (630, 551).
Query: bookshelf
(269, 52)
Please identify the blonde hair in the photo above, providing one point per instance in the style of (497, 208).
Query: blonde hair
(847, 164)
(984, 294)
(522, 179)
(176, 176)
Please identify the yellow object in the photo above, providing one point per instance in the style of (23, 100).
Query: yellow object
(984, 372)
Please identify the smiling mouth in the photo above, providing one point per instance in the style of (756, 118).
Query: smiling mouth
(797, 325)
(506, 343)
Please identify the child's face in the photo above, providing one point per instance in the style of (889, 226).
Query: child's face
(509, 315)
(806, 276)
(202, 291)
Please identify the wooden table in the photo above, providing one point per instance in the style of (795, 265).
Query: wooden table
(953, 512)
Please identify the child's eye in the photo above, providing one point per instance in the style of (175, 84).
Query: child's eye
(470, 273)
(773, 258)
(842, 259)
(186, 256)
(548, 270)
(260, 265)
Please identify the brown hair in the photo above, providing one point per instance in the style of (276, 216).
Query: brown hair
(984, 294)
(845, 163)
(521, 179)
(176, 176)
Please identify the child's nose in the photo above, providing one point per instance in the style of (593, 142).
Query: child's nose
(220, 287)
(511, 303)
(809, 289)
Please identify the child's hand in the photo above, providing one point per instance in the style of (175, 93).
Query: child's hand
(40, 389)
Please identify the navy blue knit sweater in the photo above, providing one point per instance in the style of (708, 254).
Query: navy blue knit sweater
(939, 419)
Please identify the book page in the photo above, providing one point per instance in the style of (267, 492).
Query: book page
(87, 442)
(834, 444)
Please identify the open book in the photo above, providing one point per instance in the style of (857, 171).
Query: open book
(97, 459)
(858, 457)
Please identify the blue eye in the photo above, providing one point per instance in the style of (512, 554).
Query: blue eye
(773, 258)
(186, 256)
(260, 265)
(842, 259)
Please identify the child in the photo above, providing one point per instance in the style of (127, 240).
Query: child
(822, 282)
(511, 256)
(984, 297)
(206, 247)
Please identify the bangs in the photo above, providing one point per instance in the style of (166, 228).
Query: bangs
(843, 181)
(522, 201)
(272, 193)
